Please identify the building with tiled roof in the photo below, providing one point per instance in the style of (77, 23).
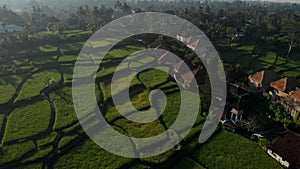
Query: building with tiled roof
(296, 95)
(194, 44)
(189, 76)
(184, 39)
(295, 108)
(285, 85)
(283, 92)
(262, 79)
(178, 66)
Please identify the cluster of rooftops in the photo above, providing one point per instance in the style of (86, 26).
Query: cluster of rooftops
(183, 75)
(286, 87)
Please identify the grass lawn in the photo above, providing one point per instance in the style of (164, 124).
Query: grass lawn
(2, 116)
(15, 152)
(44, 59)
(230, 150)
(140, 101)
(173, 107)
(40, 154)
(140, 130)
(8, 87)
(66, 140)
(188, 163)
(35, 84)
(123, 52)
(82, 97)
(75, 33)
(106, 88)
(247, 48)
(63, 103)
(68, 58)
(97, 44)
(89, 155)
(231, 56)
(67, 72)
(47, 48)
(34, 166)
(154, 77)
(71, 47)
(47, 140)
(160, 159)
(28, 121)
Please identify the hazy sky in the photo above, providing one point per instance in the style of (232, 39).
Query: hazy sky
(292, 1)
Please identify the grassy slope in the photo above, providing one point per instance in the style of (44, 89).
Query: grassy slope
(37, 83)
(227, 149)
(28, 121)
(63, 103)
(15, 152)
(8, 87)
(89, 155)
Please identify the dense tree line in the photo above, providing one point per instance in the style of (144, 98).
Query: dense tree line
(275, 24)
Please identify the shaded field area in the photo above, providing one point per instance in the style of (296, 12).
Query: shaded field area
(39, 127)
(256, 57)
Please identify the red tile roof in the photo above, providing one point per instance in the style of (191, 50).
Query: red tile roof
(194, 45)
(285, 84)
(296, 95)
(177, 66)
(189, 76)
(184, 39)
(263, 78)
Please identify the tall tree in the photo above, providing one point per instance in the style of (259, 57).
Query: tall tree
(3, 24)
(291, 33)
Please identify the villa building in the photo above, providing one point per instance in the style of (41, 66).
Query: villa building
(284, 91)
(295, 108)
(260, 81)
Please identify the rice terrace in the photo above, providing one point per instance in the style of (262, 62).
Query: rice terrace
(39, 127)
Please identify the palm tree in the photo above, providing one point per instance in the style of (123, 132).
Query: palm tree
(3, 24)
(291, 34)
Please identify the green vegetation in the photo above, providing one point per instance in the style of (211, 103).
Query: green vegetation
(123, 52)
(139, 130)
(63, 103)
(68, 58)
(67, 74)
(35, 84)
(89, 155)
(15, 152)
(66, 140)
(106, 88)
(47, 134)
(68, 47)
(48, 48)
(229, 149)
(44, 60)
(28, 121)
(34, 166)
(154, 77)
(40, 154)
(8, 87)
(47, 140)
(188, 163)
(160, 159)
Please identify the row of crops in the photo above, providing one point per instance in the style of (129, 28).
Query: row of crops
(40, 129)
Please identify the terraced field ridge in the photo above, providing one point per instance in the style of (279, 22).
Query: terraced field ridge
(39, 127)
